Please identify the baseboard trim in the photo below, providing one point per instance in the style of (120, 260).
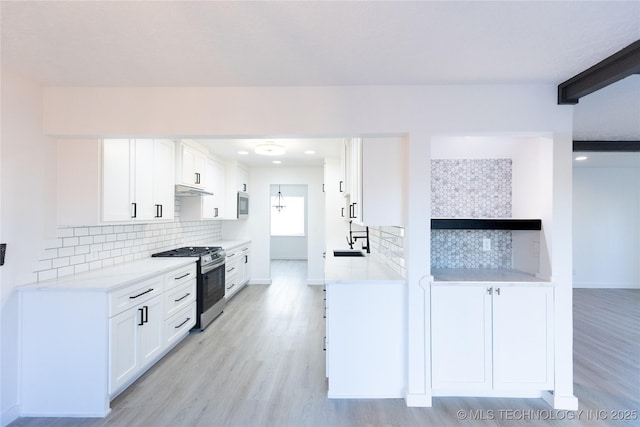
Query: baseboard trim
(259, 282)
(605, 285)
(418, 400)
(10, 415)
(563, 403)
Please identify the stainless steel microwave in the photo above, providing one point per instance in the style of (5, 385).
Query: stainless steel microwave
(243, 204)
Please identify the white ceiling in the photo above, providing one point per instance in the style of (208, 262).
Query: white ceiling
(296, 43)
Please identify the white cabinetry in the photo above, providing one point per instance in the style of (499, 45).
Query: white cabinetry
(86, 338)
(191, 163)
(374, 181)
(198, 208)
(365, 345)
(237, 179)
(115, 180)
(237, 269)
(491, 339)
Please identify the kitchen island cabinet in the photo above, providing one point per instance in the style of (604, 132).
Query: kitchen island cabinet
(365, 324)
(85, 338)
(492, 338)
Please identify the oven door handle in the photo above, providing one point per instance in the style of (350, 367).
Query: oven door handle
(210, 267)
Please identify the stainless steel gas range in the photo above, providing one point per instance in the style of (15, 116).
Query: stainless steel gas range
(210, 281)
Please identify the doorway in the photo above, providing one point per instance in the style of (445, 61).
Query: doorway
(288, 222)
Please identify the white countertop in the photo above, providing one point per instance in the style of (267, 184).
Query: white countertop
(110, 278)
(481, 275)
(230, 243)
(358, 269)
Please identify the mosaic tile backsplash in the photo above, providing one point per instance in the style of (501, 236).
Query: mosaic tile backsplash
(466, 188)
(470, 188)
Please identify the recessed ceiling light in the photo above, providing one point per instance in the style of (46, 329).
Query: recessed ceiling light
(270, 149)
(581, 158)
(309, 152)
(277, 162)
(243, 153)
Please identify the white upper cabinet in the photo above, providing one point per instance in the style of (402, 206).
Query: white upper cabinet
(373, 180)
(237, 179)
(191, 165)
(115, 180)
(243, 179)
(196, 208)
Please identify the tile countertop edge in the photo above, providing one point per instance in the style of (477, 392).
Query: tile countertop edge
(110, 278)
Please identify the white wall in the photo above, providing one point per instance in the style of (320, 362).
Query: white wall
(259, 219)
(420, 112)
(606, 227)
(28, 212)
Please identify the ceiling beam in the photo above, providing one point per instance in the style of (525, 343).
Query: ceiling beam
(612, 69)
(607, 146)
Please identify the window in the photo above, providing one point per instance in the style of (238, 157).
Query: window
(289, 221)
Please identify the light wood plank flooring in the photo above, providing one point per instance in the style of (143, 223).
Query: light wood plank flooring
(261, 364)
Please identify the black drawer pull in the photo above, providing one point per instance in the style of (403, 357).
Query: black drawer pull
(180, 325)
(231, 286)
(182, 277)
(139, 295)
(181, 298)
(231, 269)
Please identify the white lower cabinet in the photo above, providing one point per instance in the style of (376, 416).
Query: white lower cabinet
(81, 345)
(237, 269)
(136, 337)
(365, 344)
(491, 339)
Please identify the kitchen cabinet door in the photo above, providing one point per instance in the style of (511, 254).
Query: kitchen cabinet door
(117, 165)
(461, 338)
(243, 180)
(123, 351)
(523, 338)
(143, 181)
(135, 341)
(163, 179)
(193, 164)
(151, 343)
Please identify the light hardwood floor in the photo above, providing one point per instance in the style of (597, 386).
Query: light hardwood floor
(261, 363)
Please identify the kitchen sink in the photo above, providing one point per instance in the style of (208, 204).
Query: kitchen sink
(347, 252)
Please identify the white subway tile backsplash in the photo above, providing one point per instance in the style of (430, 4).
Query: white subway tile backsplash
(47, 275)
(80, 249)
(70, 241)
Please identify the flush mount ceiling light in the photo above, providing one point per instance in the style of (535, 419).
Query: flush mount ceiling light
(270, 149)
(581, 158)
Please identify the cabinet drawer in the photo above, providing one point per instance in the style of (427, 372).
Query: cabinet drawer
(179, 324)
(135, 294)
(180, 276)
(232, 283)
(179, 297)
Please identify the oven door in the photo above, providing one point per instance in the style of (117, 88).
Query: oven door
(211, 300)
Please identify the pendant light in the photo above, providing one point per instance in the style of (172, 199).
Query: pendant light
(279, 201)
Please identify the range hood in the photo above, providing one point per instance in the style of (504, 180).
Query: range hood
(185, 190)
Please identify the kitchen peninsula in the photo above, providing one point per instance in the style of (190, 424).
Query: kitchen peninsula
(365, 312)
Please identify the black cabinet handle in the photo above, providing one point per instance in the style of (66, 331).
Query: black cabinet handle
(231, 269)
(146, 314)
(158, 211)
(181, 298)
(342, 213)
(141, 311)
(135, 210)
(244, 187)
(341, 189)
(231, 286)
(215, 212)
(181, 277)
(246, 259)
(180, 325)
(197, 178)
(139, 295)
